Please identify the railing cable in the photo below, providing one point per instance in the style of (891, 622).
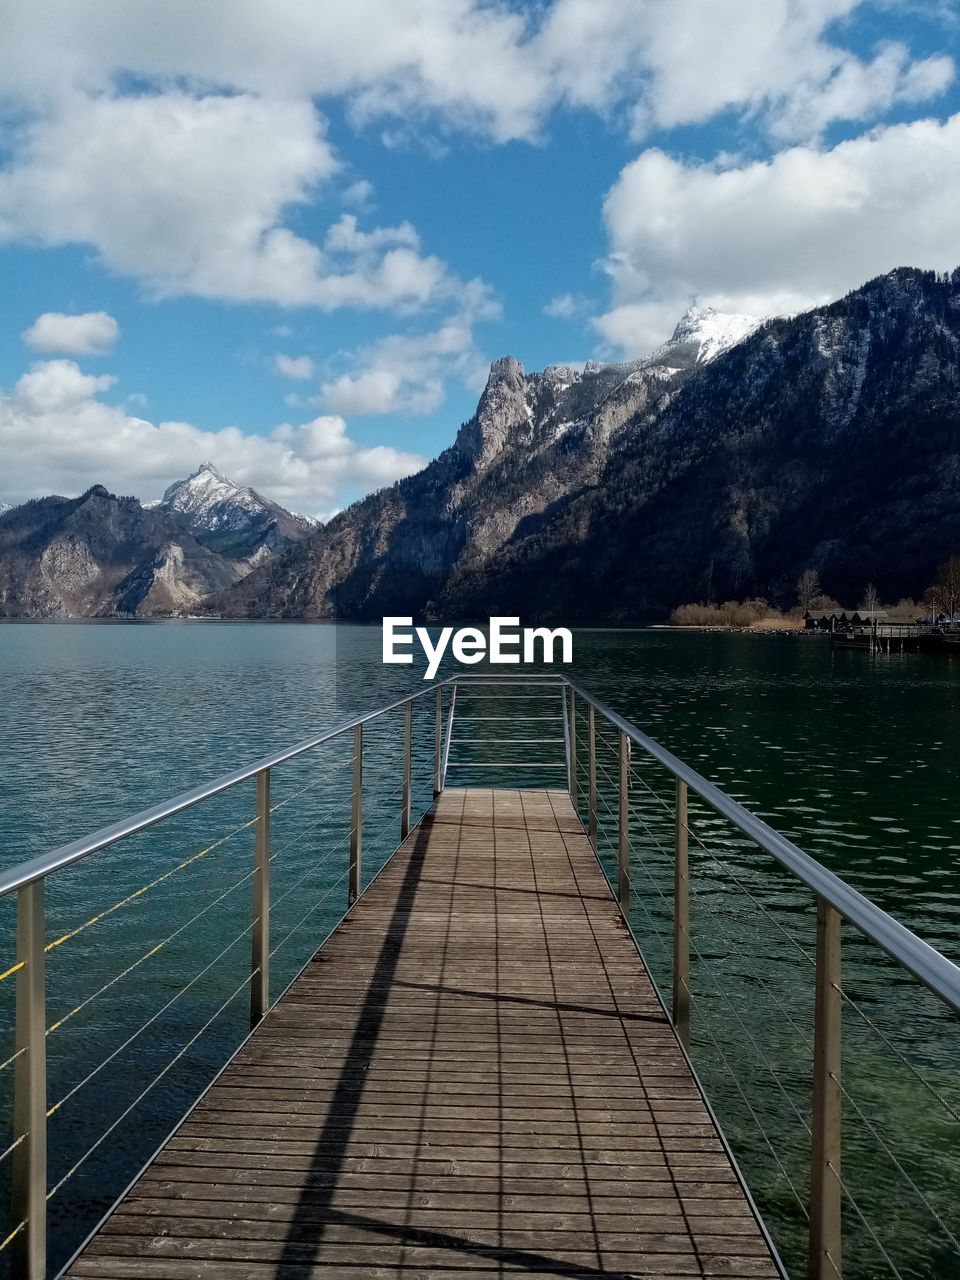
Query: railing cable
(314, 908)
(891, 1155)
(736, 1082)
(131, 897)
(150, 1021)
(153, 1083)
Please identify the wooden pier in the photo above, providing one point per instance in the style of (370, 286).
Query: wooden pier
(898, 637)
(473, 1076)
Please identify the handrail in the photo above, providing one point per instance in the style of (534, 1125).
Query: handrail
(45, 864)
(935, 971)
(835, 900)
(31, 1112)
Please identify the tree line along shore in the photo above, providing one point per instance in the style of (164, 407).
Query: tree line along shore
(940, 599)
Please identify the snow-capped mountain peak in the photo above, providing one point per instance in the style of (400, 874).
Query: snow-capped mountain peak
(712, 332)
(4, 508)
(221, 512)
(208, 497)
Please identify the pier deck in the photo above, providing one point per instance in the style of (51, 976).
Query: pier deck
(473, 1076)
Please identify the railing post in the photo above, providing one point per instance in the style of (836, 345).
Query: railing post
(30, 1091)
(437, 741)
(681, 920)
(356, 815)
(623, 844)
(573, 747)
(825, 1187)
(260, 959)
(407, 765)
(592, 795)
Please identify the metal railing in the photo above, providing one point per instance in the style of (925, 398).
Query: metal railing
(836, 902)
(27, 1239)
(549, 715)
(570, 724)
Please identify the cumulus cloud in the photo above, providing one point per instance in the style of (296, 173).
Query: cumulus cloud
(406, 373)
(359, 194)
(777, 236)
(346, 237)
(59, 385)
(773, 59)
(92, 334)
(461, 58)
(300, 368)
(467, 64)
(57, 434)
(380, 390)
(565, 306)
(861, 91)
(194, 182)
(190, 195)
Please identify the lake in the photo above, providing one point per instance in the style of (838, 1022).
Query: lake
(852, 756)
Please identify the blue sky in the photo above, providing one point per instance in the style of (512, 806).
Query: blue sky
(388, 196)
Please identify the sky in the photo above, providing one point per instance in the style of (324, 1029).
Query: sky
(289, 238)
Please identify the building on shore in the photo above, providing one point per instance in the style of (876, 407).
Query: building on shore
(837, 619)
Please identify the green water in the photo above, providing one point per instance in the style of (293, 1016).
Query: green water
(853, 757)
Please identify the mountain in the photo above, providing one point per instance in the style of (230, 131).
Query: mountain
(4, 508)
(98, 556)
(704, 333)
(533, 441)
(719, 466)
(232, 519)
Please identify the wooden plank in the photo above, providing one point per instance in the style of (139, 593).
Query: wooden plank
(473, 1075)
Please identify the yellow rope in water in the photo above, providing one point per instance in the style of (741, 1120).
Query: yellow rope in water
(102, 915)
(13, 1235)
(152, 885)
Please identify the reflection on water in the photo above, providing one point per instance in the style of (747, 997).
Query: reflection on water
(853, 757)
(856, 760)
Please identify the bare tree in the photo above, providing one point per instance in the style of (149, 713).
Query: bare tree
(808, 588)
(945, 592)
(871, 598)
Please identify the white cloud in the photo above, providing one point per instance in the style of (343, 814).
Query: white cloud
(461, 58)
(380, 390)
(778, 236)
(468, 64)
(687, 61)
(185, 193)
(406, 373)
(59, 384)
(190, 195)
(297, 367)
(346, 237)
(92, 334)
(861, 91)
(359, 194)
(57, 435)
(565, 306)
(773, 59)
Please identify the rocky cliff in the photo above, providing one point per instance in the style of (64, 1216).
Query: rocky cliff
(100, 556)
(230, 518)
(829, 440)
